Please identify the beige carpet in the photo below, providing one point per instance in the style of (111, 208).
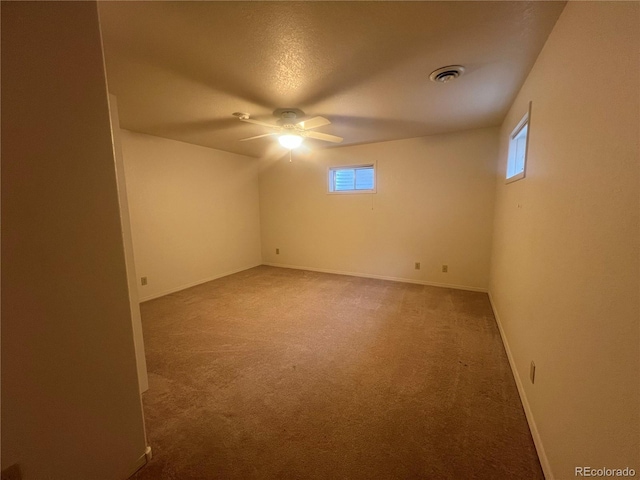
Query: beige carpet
(278, 373)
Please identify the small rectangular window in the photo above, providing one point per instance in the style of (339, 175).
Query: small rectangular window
(518, 142)
(352, 179)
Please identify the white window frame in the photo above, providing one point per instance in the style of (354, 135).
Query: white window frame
(330, 178)
(525, 122)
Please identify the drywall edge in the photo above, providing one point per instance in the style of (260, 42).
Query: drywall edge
(125, 221)
(537, 440)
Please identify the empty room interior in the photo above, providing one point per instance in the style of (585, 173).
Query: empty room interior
(320, 240)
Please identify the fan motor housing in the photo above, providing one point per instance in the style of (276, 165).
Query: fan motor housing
(288, 119)
(288, 116)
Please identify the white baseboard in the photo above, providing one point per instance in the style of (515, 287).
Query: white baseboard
(197, 282)
(379, 277)
(141, 462)
(544, 461)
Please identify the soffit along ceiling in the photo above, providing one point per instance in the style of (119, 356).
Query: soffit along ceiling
(180, 69)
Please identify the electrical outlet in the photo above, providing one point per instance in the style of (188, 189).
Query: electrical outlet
(445, 268)
(417, 266)
(143, 280)
(532, 372)
(12, 473)
(277, 251)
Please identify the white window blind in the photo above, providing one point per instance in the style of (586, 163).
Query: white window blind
(359, 178)
(518, 143)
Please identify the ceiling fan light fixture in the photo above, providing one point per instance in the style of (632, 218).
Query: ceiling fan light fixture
(290, 141)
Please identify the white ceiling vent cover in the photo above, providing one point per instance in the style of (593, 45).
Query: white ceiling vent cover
(446, 74)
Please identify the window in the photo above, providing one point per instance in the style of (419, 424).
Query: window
(518, 141)
(352, 179)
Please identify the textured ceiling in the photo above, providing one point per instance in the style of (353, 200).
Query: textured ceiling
(180, 69)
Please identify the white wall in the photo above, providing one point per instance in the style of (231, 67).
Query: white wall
(70, 402)
(565, 262)
(194, 212)
(434, 205)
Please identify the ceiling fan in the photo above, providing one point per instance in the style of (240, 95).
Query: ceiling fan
(291, 131)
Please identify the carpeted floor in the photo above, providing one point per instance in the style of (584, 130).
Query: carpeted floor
(288, 374)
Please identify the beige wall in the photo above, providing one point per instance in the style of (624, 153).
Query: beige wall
(565, 254)
(434, 205)
(194, 212)
(70, 401)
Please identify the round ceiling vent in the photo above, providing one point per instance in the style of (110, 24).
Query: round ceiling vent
(446, 74)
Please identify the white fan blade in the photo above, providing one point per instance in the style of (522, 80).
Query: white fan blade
(258, 136)
(314, 122)
(323, 136)
(258, 122)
